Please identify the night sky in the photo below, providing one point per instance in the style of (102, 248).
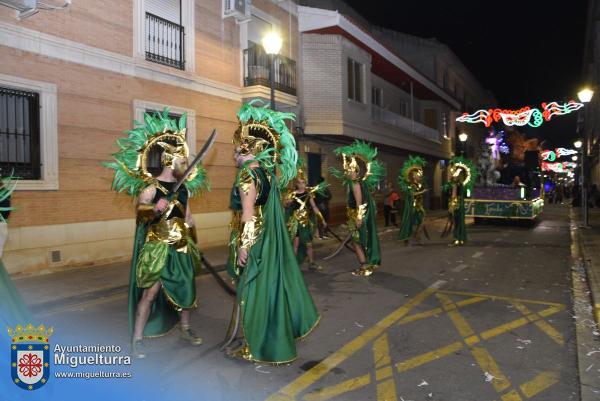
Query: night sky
(525, 52)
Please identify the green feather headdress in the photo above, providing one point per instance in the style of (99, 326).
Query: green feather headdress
(276, 150)
(471, 173)
(7, 186)
(412, 163)
(130, 172)
(364, 151)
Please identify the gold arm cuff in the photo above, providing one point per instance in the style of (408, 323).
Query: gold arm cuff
(361, 211)
(145, 212)
(320, 216)
(249, 233)
(191, 232)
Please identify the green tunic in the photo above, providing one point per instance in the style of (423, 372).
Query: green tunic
(366, 235)
(173, 265)
(300, 223)
(277, 308)
(412, 217)
(460, 228)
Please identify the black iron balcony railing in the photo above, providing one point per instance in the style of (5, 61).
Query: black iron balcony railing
(164, 42)
(256, 70)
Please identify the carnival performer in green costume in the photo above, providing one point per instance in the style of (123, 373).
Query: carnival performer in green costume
(461, 177)
(274, 307)
(299, 203)
(12, 307)
(411, 184)
(165, 258)
(361, 174)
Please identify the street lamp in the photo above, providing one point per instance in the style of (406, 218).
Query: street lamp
(585, 95)
(574, 158)
(272, 44)
(463, 139)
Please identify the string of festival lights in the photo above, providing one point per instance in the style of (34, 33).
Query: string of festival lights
(532, 116)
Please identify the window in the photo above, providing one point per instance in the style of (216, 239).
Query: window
(355, 80)
(159, 34)
(28, 132)
(164, 33)
(404, 108)
(257, 29)
(430, 118)
(20, 133)
(377, 96)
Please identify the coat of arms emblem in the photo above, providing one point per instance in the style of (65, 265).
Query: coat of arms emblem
(30, 356)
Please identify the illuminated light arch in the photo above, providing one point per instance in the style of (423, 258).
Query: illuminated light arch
(533, 117)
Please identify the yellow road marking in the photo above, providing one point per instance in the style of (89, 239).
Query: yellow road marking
(540, 383)
(383, 373)
(439, 311)
(488, 364)
(386, 391)
(428, 357)
(459, 321)
(512, 395)
(321, 369)
(551, 332)
(541, 324)
(496, 331)
(494, 297)
(381, 351)
(343, 387)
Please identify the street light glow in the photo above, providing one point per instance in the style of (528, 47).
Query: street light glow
(463, 137)
(272, 43)
(578, 144)
(585, 95)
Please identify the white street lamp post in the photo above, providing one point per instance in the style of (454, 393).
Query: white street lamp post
(463, 142)
(585, 96)
(272, 43)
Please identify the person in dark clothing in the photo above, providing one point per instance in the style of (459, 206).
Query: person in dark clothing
(390, 201)
(322, 199)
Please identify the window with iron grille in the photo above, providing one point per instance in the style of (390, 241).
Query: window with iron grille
(165, 33)
(20, 133)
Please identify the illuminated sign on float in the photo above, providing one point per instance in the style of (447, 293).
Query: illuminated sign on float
(533, 117)
(552, 155)
(563, 167)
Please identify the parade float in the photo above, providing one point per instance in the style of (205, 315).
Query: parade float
(510, 185)
(510, 182)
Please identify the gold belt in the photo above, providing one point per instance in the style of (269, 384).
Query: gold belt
(172, 231)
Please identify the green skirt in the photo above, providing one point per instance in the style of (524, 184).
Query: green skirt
(305, 236)
(367, 235)
(158, 262)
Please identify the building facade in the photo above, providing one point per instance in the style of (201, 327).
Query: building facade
(359, 81)
(71, 81)
(588, 125)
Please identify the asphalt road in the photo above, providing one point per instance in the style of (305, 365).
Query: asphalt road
(487, 321)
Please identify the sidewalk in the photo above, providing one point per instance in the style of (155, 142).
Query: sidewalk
(46, 292)
(589, 238)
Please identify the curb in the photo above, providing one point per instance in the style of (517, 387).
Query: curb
(585, 327)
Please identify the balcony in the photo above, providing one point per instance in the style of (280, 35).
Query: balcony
(164, 42)
(257, 66)
(406, 124)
